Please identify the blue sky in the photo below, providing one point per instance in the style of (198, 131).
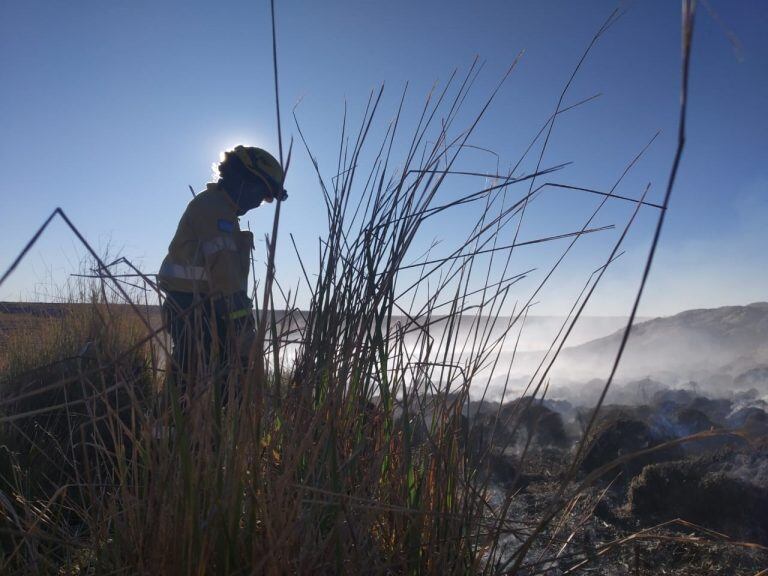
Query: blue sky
(111, 109)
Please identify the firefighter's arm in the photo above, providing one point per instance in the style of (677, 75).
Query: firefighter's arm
(227, 283)
(219, 243)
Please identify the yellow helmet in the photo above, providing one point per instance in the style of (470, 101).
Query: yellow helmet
(263, 165)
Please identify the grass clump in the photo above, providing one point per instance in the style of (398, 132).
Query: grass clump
(329, 462)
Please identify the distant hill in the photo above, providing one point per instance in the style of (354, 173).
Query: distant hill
(695, 344)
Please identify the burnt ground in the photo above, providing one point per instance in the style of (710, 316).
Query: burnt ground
(697, 508)
(601, 533)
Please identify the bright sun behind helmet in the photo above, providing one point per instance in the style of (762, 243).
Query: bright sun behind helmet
(263, 165)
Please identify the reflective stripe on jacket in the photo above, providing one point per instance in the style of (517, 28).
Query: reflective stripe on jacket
(209, 254)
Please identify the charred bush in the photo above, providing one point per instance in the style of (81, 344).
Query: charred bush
(687, 489)
(691, 421)
(542, 425)
(716, 409)
(744, 415)
(624, 436)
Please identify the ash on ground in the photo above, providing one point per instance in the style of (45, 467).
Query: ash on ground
(635, 498)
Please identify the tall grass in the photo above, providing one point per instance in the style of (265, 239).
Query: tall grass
(347, 445)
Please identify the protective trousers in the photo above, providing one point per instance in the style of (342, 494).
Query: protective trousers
(203, 342)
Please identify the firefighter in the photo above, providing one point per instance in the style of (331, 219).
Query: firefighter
(205, 274)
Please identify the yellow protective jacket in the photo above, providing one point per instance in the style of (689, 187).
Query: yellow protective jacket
(209, 254)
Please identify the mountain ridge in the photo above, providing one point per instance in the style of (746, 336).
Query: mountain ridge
(703, 344)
